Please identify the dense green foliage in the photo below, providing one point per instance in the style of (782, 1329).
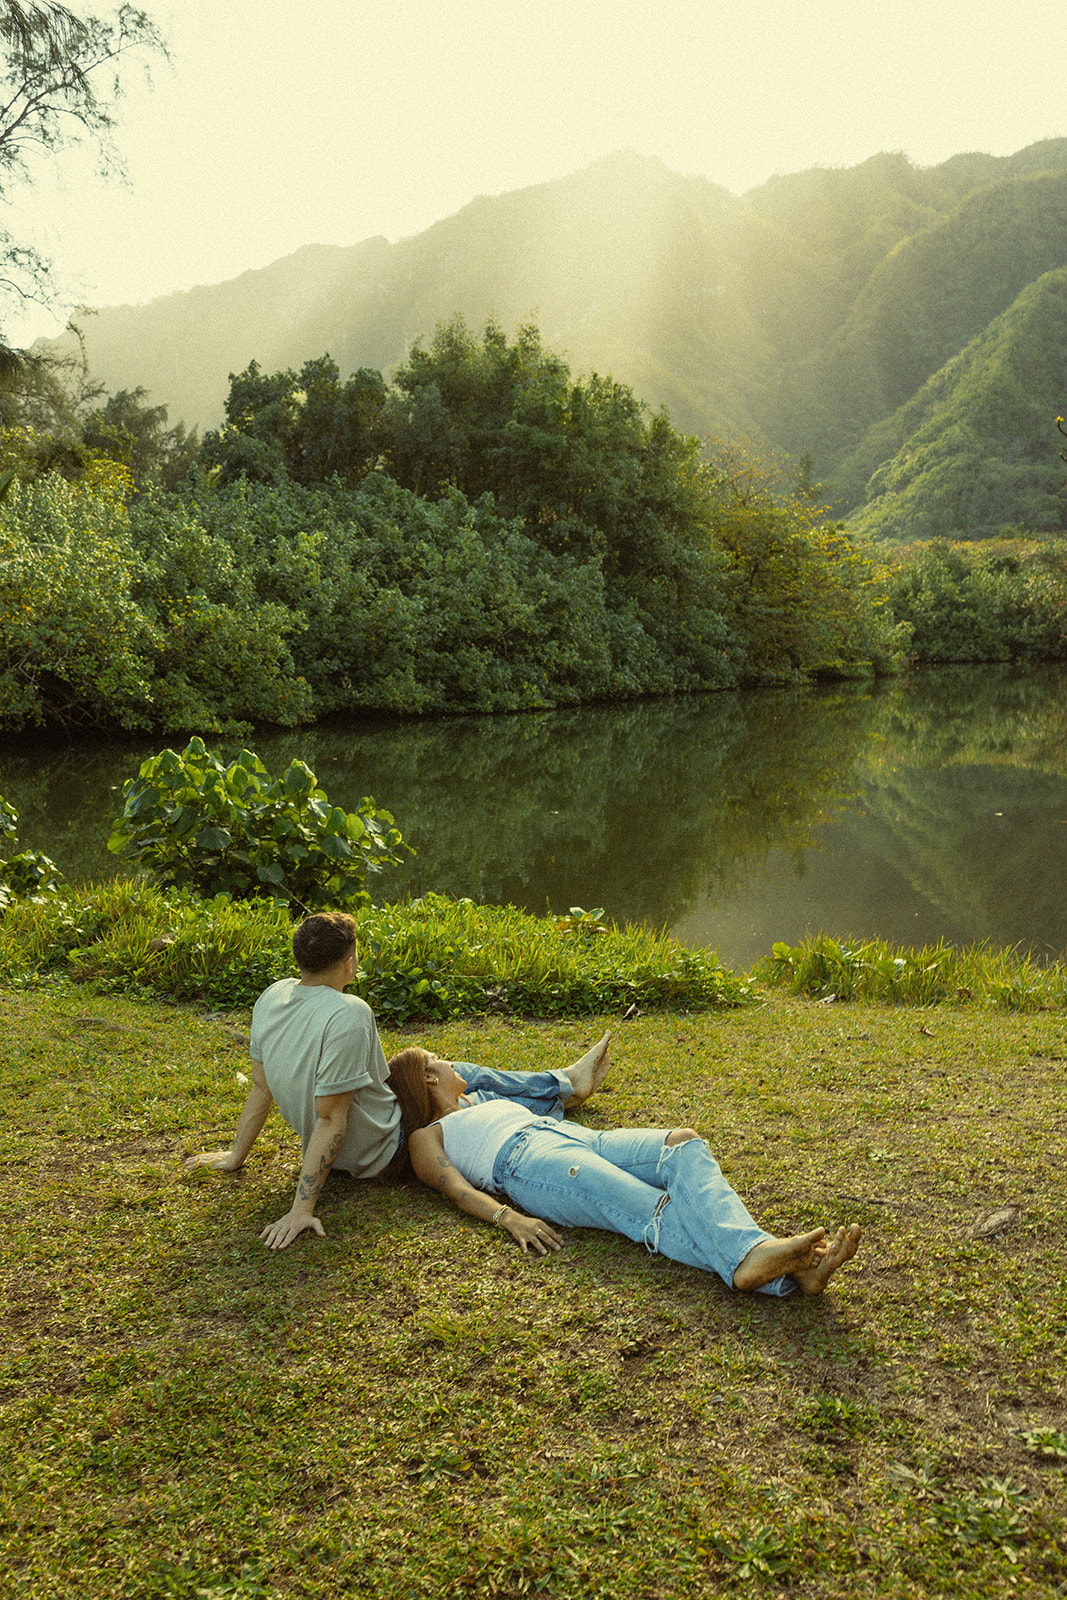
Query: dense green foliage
(97, 630)
(128, 430)
(196, 823)
(305, 427)
(1004, 600)
(429, 959)
(75, 646)
(22, 872)
(525, 540)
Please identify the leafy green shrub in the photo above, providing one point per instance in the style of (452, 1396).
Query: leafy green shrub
(196, 823)
(991, 602)
(222, 658)
(406, 604)
(804, 602)
(75, 648)
(23, 873)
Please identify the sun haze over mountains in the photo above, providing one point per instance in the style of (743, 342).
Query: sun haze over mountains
(904, 327)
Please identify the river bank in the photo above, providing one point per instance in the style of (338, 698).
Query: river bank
(410, 1406)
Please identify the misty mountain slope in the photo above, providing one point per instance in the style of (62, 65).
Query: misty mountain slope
(930, 296)
(668, 283)
(976, 449)
(804, 315)
(181, 347)
(852, 218)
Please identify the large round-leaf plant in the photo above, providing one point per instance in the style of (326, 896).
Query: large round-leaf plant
(194, 822)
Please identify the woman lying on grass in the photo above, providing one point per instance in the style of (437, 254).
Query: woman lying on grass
(663, 1189)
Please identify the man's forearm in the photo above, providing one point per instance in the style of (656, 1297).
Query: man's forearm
(327, 1136)
(254, 1114)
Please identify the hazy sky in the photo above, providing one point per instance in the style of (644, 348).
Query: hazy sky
(289, 122)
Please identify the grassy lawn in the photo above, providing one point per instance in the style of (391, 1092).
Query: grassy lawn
(410, 1407)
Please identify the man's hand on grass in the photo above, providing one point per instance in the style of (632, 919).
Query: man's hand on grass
(217, 1160)
(287, 1228)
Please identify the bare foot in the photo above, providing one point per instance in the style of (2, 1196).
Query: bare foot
(841, 1248)
(588, 1072)
(774, 1258)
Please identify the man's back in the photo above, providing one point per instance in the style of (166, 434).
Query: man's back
(314, 1041)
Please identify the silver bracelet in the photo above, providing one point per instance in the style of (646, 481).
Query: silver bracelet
(498, 1216)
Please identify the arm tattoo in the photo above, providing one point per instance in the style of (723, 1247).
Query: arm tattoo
(310, 1185)
(445, 1170)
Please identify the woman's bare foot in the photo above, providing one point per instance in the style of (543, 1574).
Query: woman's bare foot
(810, 1258)
(588, 1072)
(841, 1248)
(775, 1258)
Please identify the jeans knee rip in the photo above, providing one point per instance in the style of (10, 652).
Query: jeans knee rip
(652, 1230)
(670, 1151)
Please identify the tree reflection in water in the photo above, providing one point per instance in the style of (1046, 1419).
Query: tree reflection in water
(936, 806)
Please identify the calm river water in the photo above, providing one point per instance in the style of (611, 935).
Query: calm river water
(932, 808)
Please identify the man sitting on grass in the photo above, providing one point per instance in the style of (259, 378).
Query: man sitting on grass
(316, 1055)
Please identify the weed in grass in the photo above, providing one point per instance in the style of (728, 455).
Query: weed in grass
(826, 1463)
(831, 1418)
(992, 1513)
(185, 1583)
(761, 1553)
(1048, 1442)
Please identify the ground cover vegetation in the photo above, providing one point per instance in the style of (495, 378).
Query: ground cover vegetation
(409, 1406)
(427, 958)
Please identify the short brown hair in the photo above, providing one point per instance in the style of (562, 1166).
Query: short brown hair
(323, 940)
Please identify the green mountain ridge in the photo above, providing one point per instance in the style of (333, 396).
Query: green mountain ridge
(810, 315)
(969, 454)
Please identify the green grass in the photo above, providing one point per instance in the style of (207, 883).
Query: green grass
(872, 969)
(430, 958)
(410, 1407)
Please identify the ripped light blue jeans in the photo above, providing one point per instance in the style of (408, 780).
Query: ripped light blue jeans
(541, 1092)
(671, 1198)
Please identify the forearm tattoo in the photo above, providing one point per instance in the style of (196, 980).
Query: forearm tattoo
(311, 1183)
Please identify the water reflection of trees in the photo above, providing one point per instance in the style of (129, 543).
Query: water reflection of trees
(978, 715)
(984, 845)
(637, 808)
(646, 809)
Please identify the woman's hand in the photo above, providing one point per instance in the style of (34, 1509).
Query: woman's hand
(531, 1233)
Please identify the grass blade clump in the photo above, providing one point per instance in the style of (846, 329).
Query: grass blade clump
(428, 959)
(438, 957)
(825, 968)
